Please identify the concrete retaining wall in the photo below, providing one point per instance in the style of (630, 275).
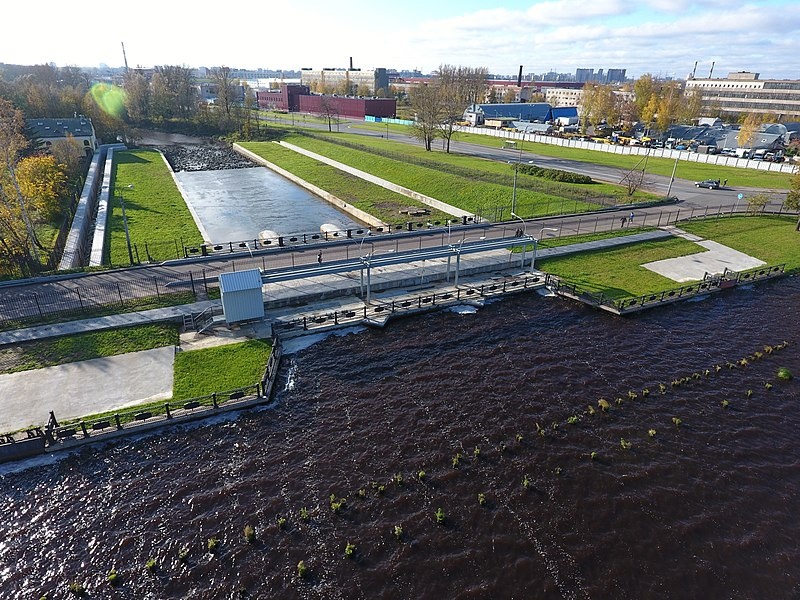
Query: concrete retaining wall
(73, 255)
(99, 238)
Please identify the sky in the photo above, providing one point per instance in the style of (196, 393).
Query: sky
(661, 37)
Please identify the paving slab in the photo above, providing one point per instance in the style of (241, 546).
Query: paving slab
(714, 261)
(81, 388)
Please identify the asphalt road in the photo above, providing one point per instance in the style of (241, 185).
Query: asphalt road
(28, 297)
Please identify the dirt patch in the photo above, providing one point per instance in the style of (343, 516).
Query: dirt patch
(207, 157)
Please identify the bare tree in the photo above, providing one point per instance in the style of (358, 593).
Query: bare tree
(457, 88)
(428, 113)
(225, 84)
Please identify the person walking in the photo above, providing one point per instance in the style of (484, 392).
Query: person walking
(630, 219)
(319, 257)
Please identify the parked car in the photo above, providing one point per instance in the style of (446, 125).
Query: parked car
(711, 184)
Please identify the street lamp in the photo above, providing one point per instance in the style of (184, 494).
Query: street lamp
(536, 243)
(125, 225)
(525, 234)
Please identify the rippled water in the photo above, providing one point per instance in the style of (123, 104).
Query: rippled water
(707, 509)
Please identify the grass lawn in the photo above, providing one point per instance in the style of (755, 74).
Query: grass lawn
(222, 368)
(617, 273)
(771, 239)
(371, 198)
(97, 344)
(480, 186)
(156, 212)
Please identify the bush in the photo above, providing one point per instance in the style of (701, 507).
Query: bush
(554, 174)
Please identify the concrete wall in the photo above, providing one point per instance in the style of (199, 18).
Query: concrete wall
(99, 237)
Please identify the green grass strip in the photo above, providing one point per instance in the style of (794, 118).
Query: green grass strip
(218, 369)
(85, 346)
(156, 212)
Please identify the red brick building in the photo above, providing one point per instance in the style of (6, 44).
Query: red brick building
(298, 98)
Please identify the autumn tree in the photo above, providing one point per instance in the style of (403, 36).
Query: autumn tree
(137, 96)
(750, 124)
(793, 196)
(19, 243)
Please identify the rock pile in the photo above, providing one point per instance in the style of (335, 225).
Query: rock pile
(204, 158)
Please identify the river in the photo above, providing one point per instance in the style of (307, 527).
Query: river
(705, 507)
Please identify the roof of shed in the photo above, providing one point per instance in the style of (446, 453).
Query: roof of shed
(239, 281)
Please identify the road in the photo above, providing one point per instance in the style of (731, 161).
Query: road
(44, 295)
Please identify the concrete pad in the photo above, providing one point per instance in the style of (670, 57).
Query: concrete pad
(694, 267)
(86, 387)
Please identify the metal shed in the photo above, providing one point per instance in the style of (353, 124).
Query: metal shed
(241, 295)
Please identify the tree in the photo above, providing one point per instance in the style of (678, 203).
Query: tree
(137, 95)
(793, 197)
(456, 88)
(509, 96)
(329, 111)
(757, 202)
(428, 113)
(19, 241)
(750, 125)
(226, 96)
(43, 183)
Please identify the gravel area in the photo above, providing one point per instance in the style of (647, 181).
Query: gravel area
(204, 157)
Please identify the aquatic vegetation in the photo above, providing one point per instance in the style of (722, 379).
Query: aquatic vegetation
(337, 504)
(398, 532)
(439, 516)
(302, 569)
(554, 425)
(421, 475)
(362, 493)
(784, 374)
(662, 388)
(482, 499)
(456, 460)
(768, 385)
(603, 404)
(113, 577)
(249, 534)
(651, 432)
(476, 453)
(590, 410)
(593, 455)
(725, 404)
(632, 395)
(557, 470)
(212, 544)
(677, 421)
(526, 482)
(744, 362)
(398, 478)
(645, 392)
(625, 444)
(183, 553)
(281, 522)
(305, 515)
(349, 550)
(749, 393)
(76, 588)
(518, 438)
(572, 420)
(150, 565)
(619, 401)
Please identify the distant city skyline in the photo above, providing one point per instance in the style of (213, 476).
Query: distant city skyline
(662, 37)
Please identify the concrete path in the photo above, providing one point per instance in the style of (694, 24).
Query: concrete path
(82, 388)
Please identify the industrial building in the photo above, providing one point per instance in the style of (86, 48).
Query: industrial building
(375, 80)
(744, 92)
(298, 98)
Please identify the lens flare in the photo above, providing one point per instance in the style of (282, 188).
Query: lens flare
(110, 98)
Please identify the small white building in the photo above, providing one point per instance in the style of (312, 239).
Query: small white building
(242, 299)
